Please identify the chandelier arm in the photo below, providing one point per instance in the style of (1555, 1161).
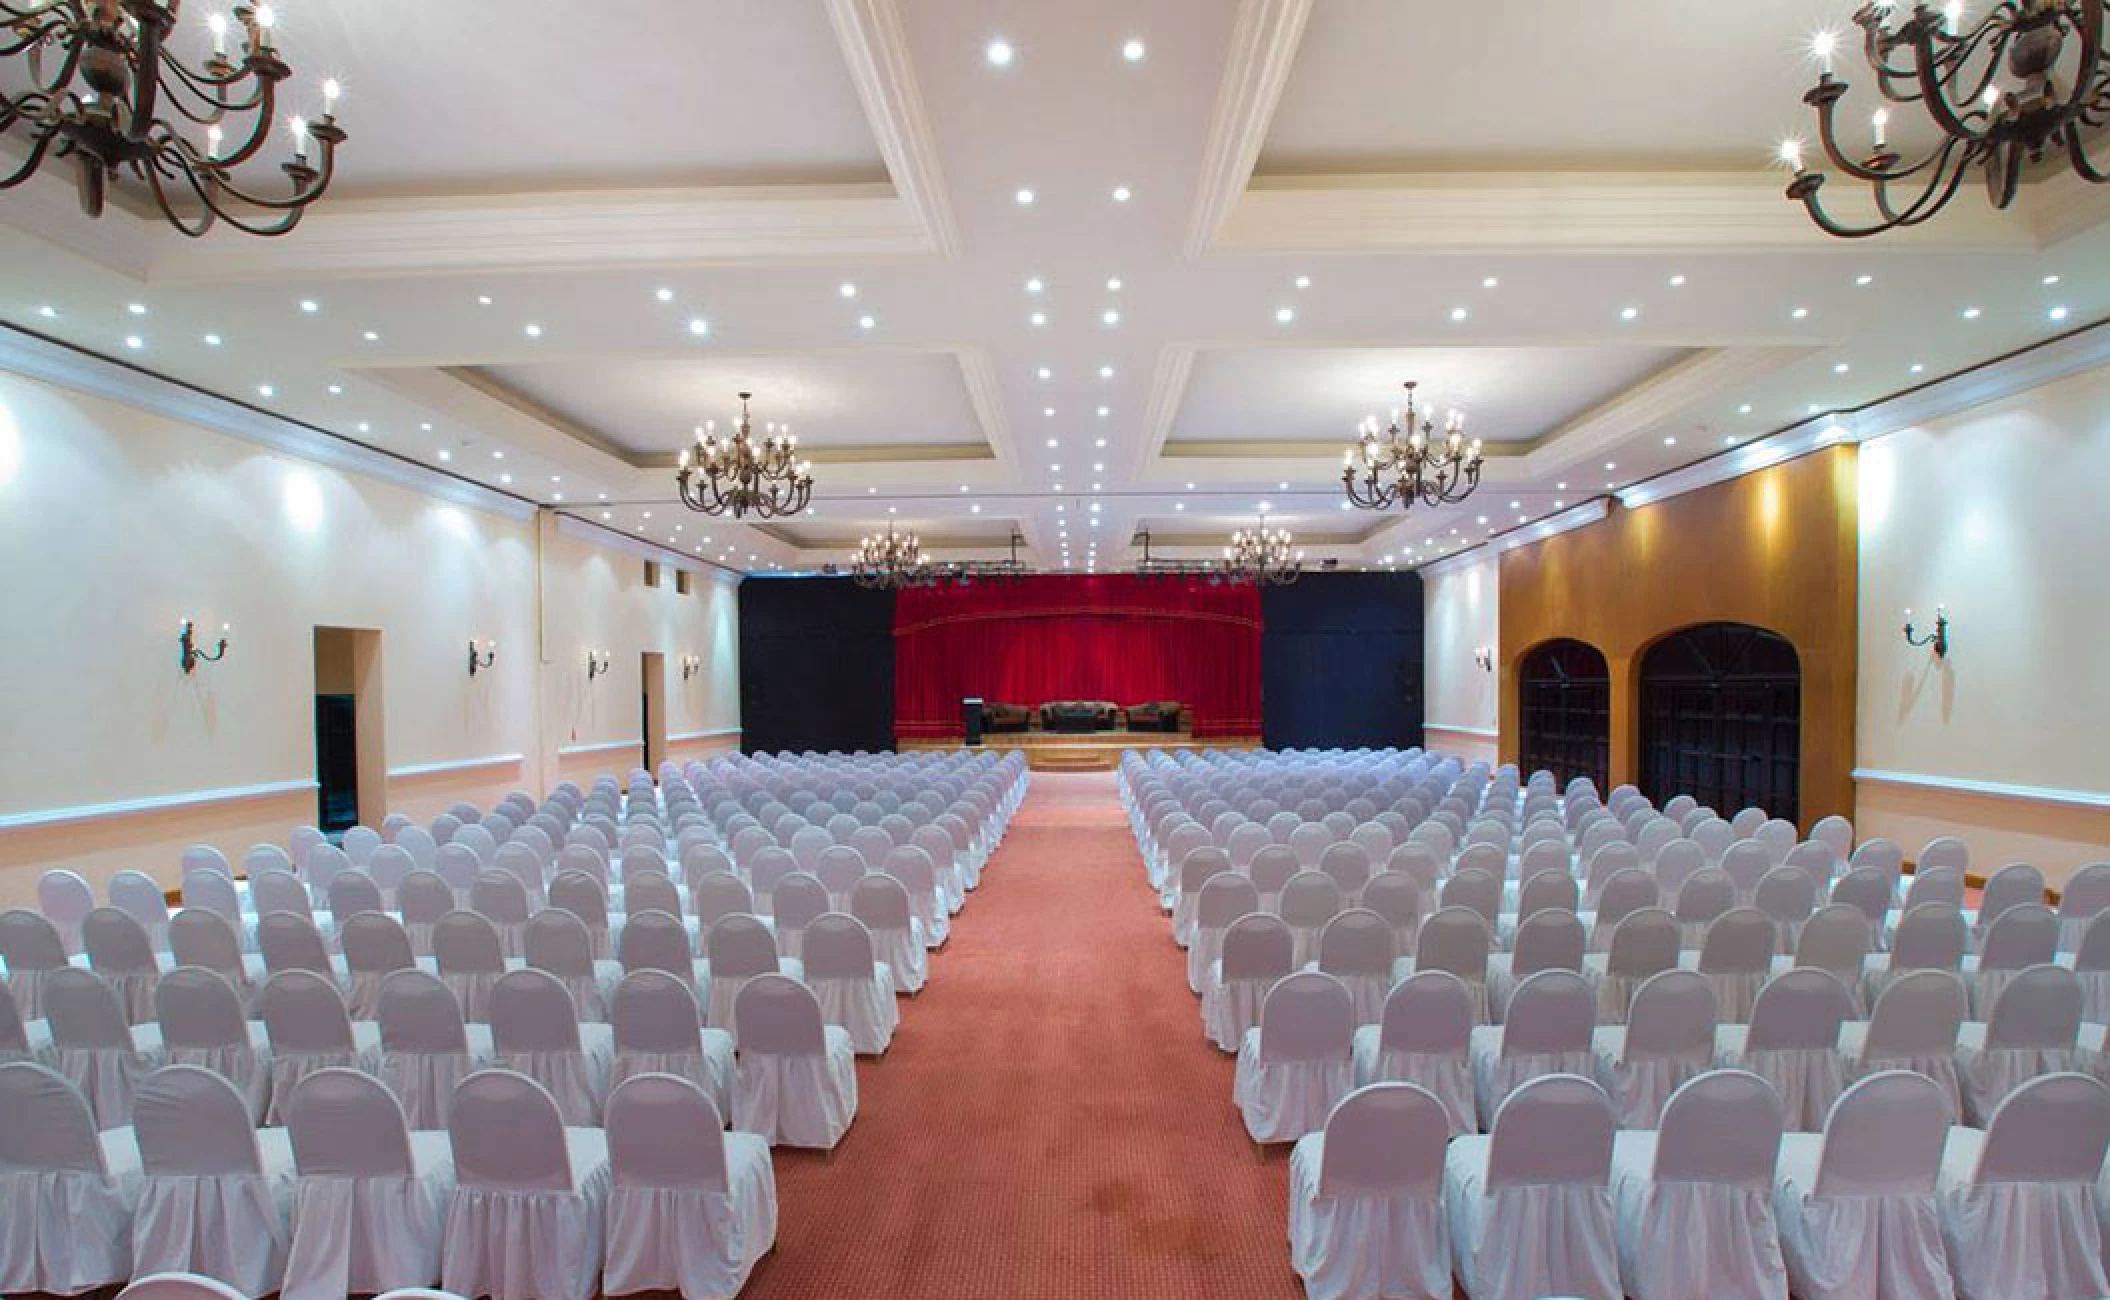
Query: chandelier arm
(306, 190)
(1937, 193)
(207, 214)
(34, 34)
(1828, 141)
(1934, 81)
(1941, 185)
(266, 101)
(207, 102)
(30, 163)
(2077, 153)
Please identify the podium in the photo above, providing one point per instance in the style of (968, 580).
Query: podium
(971, 714)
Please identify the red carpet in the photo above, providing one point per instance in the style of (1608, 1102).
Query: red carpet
(1050, 1121)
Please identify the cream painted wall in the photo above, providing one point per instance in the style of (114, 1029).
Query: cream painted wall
(1461, 613)
(116, 522)
(1998, 513)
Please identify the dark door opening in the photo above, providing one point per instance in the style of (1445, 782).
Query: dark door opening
(1564, 699)
(1721, 719)
(652, 709)
(337, 761)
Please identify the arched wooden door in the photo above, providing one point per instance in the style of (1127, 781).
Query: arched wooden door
(1721, 719)
(1564, 712)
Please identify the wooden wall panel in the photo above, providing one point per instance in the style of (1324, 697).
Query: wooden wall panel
(1777, 549)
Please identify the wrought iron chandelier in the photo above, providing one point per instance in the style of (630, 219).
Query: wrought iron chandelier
(1994, 94)
(100, 86)
(1262, 556)
(891, 559)
(1407, 462)
(735, 476)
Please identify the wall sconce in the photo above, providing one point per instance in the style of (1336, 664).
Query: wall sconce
(1938, 639)
(1485, 657)
(598, 662)
(478, 662)
(690, 666)
(187, 639)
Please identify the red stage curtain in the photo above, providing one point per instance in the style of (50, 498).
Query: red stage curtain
(1114, 637)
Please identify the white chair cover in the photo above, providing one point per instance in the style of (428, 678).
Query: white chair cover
(854, 990)
(1667, 1042)
(1366, 1199)
(530, 1195)
(882, 904)
(691, 1207)
(1551, 1020)
(371, 1200)
(426, 1049)
(67, 1193)
(1529, 1206)
(1856, 1205)
(1257, 951)
(796, 1082)
(310, 1030)
(561, 944)
(202, 1024)
(32, 947)
(656, 1028)
(1695, 1201)
(471, 956)
(1223, 899)
(1299, 1061)
(535, 1031)
(120, 950)
(1792, 1043)
(1914, 1027)
(218, 1196)
(93, 1047)
(2017, 1200)
(1423, 1039)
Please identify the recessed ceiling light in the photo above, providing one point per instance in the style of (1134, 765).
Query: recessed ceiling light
(498, 454)
(1038, 318)
(1025, 198)
(1670, 442)
(1110, 316)
(266, 390)
(483, 300)
(999, 53)
(2057, 313)
(1054, 442)
(136, 308)
(335, 389)
(1105, 411)
(1179, 505)
(1190, 487)
(364, 427)
(212, 340)
(1098, 467)
(1489, 282)
(699, 326)
(1800, 313)
(1916, 368)
(1113, 284)
(1132, 50)
(867, 322)
(1045, 374)
(1284, 315)
(1677, 282)
(975, 509)
(1745, 409)
(1302, 282)
(47, 311)
(1972, 313)
(371, 336)
(1629, 313)
(847, 289)
(664, 295)
(1121, 194)
(1459, 313)
(2051, 279)
(1610, 465)
(1106, 372)
(1864, 280)
(1034, 285)
(508, 478)
(310, 306)
(1841, 368)
(1047, 410)
(446, 454)
(534, 331)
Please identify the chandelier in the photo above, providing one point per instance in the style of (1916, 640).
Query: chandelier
(735, 476)
(1262, 556)
(891, 559)
(1405, 463)
(100, 86)
(1989, 122)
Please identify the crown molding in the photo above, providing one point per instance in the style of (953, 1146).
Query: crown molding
(1264, 44)
(1644, 405)
(1168, 388)
(1574, 517)
(609, 539)
(1538, 212)
(985, 393)
(875, 49)
(586, 230)
(55, 363)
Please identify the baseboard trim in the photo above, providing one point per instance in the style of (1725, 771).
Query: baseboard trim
(121, 808)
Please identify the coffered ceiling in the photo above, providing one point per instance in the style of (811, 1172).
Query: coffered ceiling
(1070, 292)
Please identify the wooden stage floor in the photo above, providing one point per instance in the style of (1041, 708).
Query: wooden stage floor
(1086, 751)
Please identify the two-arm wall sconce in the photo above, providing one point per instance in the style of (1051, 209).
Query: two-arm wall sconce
(598, 662)
(1938, 639)
(1485, 657)
(187, 639)
(479, 662)
(690, 666)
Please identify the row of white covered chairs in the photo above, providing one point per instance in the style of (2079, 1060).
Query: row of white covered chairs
(1888, 1202)
(511, 1201)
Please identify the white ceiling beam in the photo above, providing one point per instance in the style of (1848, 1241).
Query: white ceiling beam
(875, 49)
(1263, 46)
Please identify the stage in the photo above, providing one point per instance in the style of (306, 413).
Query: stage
(1085, 751)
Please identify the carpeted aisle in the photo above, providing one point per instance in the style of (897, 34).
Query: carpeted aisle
(1050, 1121)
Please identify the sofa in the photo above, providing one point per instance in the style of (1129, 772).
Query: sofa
(1079, 715)
(1155, 715)
(1006, 717)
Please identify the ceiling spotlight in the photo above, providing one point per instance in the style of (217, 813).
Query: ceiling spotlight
(1864, 280)
(1110, 316)
(1841, 368)
(699, 326)
(1489, 282)
(446, 454)
(1972, 313)
(999, 53)
(1113, 284)
(1132, 50)
(1121, 194)
(136, 308)
(2051, 279)
(867, 322)
(371, 336)
(1284, 315)
(1629, 313)
(1025, 198)
(1670, 442)
(1045, 374)
(1677, 282)
(1106, 372)
(266, 390)
(483, 300)
(1038, 318)
(664, 295)
(212, 340)
(1459, 313)
(1745, 409)
(1800, 313)
(1105, 411)
(1034, 285)
(310, 306)
(533, 331)
(2057, 313)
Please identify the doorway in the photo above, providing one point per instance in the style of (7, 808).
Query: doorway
(1564, 699)
(351, 763)
(1721, 719)
(653, 709)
